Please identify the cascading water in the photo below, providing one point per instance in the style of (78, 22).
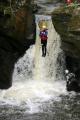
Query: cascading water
(34, 77)
(46, 6)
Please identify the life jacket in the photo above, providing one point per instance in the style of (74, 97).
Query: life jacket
(43, 35)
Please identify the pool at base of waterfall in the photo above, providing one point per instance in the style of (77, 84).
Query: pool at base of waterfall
(32, 95)
(39, 100)
(67, 108)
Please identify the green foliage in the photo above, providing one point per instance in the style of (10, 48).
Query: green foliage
(72, 5)
(5, 9)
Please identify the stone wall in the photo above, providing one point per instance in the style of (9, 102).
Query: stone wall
(17, 33)
(66, 21)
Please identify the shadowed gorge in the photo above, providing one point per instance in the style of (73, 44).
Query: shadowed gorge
(34, 86)
(66, 21)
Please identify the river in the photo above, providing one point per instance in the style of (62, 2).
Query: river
(47, 6)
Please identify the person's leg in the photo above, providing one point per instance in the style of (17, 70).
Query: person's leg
(45, 47)
(42, 43)
(42, 49)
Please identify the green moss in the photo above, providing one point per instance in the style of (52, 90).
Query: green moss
(66, 21)
(74, 23)
(5, 9)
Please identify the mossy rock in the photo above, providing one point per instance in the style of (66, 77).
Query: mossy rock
(7, 10)
(66, 21)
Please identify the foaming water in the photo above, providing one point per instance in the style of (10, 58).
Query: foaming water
(34, 77)
(32, 94)
(34, 89)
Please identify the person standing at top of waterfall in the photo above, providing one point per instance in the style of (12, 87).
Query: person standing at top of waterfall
(68, 1)
(44, 36)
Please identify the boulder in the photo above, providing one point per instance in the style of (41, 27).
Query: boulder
(17, 33)
(66, 20)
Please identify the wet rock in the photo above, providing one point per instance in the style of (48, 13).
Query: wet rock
(35, 8)
(66, 22)
(72, 84)
(17, 33)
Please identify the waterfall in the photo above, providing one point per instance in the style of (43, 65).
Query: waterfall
(34, 77)
(47, 65)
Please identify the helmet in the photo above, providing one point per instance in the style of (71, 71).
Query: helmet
(66, 71)
(44, 26)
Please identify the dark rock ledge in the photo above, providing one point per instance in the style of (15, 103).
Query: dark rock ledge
(17, 33)
(66, 21)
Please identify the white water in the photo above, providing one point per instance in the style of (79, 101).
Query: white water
(46, 6)
(36, 81)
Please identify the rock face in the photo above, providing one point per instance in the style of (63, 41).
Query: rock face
(66, 21)
(17, 33)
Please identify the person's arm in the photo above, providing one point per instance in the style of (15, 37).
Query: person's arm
(40, 34)
(46, 32)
